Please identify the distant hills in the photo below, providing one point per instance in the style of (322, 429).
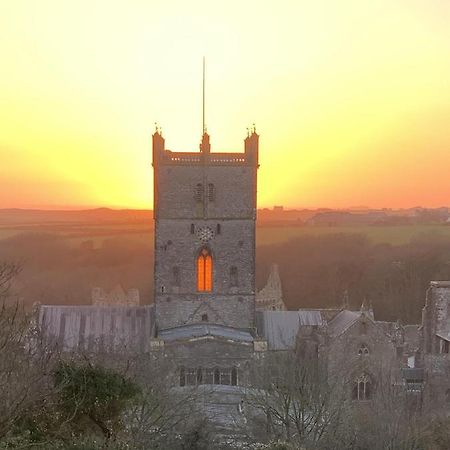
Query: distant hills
(275, 216)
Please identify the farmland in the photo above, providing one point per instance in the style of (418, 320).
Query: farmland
(97, 226)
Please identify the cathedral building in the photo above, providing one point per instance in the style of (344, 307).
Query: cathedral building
(207, 319)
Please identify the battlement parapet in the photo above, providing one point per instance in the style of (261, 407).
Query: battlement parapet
(190, 158)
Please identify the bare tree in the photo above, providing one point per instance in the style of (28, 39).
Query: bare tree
(24, 382)
(297, 401)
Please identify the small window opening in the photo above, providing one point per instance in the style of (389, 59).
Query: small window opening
(192, 228)
(225, 377)
(199, 376)
(204, 317)
(176, 276)
(233, 276)
(219, 229)
(198, 193)
(216, 376)
(211, 192)
(191, 377)
(182, 377)
(209, 376)
(234, 376)
(363, 350)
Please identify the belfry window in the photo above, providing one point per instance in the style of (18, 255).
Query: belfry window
(198, 193)
(204, 271)
(211, 192)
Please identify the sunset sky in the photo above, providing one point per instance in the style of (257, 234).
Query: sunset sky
(351, 97)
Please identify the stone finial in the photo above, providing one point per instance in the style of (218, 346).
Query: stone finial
(365, 305)
(205, 146)
(271, 296)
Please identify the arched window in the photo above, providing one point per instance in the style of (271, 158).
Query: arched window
(176, 275)
(216, 376)
(363, 350)
(209, 376)
(204, 271)
(362, 388)
(182, 377)
(211, 192)
(234, 376)
(198, 193)
(233, 276)
(191, 377)
(200, 376)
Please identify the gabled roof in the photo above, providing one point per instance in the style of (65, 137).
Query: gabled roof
(199, 330)
(344, 320)
(97, 328)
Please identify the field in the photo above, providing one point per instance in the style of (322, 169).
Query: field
(78, 231)
(396, 234)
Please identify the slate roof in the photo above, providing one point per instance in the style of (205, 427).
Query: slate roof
(310, 317)
(201, 330)
(280, 328)
(97, 328)
(344, 320)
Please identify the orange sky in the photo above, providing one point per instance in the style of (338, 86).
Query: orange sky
(351, 98)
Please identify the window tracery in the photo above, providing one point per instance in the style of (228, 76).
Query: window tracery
(204, 271)
(363, 350)
(362, 388)
(224, 376)
(198, 192)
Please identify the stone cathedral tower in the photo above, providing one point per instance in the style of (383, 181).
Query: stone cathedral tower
(205, 212)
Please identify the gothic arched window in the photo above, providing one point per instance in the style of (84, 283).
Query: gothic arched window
(211, 192)
(182, 377)
(198, 193)
(234, 376)
(204, 271)
(199, 375)
(362, 388)
(363, 350)
(233, 276)
(176, 275)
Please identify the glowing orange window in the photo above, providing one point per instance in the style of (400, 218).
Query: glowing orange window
(204, 271)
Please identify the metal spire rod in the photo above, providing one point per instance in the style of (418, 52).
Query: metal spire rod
(204, 126)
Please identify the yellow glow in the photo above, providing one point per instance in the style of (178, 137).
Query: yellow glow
(351, 98)
(204, 272)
